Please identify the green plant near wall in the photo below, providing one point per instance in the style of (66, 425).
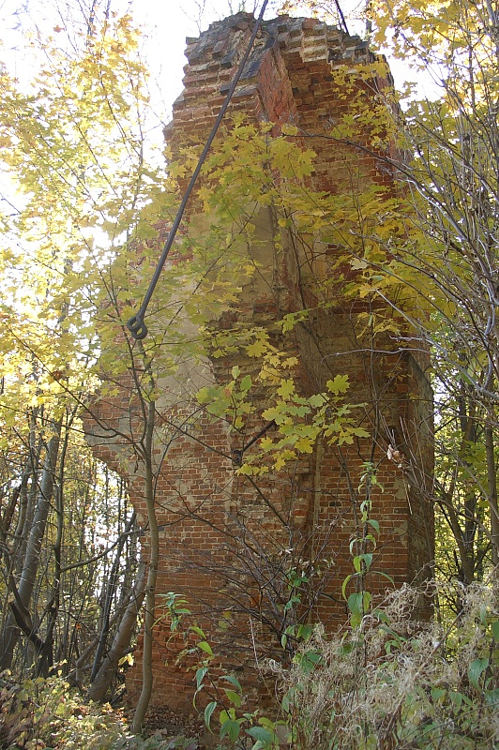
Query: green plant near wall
(388, 680)
(362, 549)
(385, 681)
(391, 682)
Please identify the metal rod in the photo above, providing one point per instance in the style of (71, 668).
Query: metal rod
(136, 325)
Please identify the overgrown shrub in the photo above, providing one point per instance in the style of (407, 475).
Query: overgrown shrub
(393, 682)
(47, 713)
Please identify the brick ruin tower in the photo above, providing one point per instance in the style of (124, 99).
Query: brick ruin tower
(230, 546)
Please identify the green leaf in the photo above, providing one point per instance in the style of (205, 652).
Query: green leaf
(200, 674)
(360, 432)
(261, 734)
(257, 348)
(233, 681)
(231, 728)
(476, 669)
(291, 603)
(304, 631)
(345, 584)
(317, 400)
(354, 603)
(365, 558)
(208, 712)
(285, 703)
(492, 697)
(246, 383)
(234, 697)
(310, 659)
(205, 646)
(456, 699)
(286, 389)
(382, 616)
(338, 385)
(437, 693)
(203, 395)
(197, 630)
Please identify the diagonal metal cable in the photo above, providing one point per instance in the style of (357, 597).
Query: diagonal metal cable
(342, 17)
(136, 325)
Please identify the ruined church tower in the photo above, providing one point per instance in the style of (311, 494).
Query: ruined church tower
(232, 547)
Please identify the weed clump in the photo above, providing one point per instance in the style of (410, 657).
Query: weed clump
(48, 714)
(395, 682)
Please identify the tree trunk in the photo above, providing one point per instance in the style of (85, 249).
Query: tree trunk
(110, 592)
(121, 642)
(492, 492)
(33, 545)
(145, 693)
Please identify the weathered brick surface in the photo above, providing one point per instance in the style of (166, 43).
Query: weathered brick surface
(222, 541)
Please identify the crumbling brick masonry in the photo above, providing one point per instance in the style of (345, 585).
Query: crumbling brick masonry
(229, 546)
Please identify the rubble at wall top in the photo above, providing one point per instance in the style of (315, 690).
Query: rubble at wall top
(311, 39)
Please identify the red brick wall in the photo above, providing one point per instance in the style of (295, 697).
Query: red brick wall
(223, 543)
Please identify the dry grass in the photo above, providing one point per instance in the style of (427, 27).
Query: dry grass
(398, 683)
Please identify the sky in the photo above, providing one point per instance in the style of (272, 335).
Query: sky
(165, 23)
(176, 19)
